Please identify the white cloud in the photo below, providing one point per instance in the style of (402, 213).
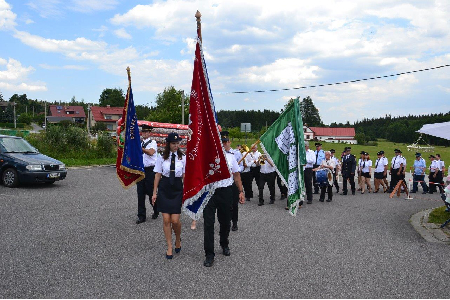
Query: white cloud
(66, 67)
(7, 17)
(122, 33)
(15, 77)
(29, 21)
(290, 71)
(46, 8)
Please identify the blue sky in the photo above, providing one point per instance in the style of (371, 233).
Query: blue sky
(55, 49)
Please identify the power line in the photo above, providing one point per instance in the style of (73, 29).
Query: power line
(336, 83)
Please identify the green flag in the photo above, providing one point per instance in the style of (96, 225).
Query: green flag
(283, 142)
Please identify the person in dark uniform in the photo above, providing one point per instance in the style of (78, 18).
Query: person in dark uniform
(283, 188)
(168, 190)
(348, 170)
(221, 201)
(268, 175)
(398, 166)
(336, 169)
(145, 186)
(252, 161)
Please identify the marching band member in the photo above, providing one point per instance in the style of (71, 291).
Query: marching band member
(386, 163)
(168, 190)
(319, 155)
(252, 160)
(268, 175)
(366, 171)
(380, 169)
(329, 164)
(348, 170)
(361, 158)
(336, 170)
(221, 201)
(419, 174)
(398, 166)
(308, 173)
(435, 176)
(145, 186)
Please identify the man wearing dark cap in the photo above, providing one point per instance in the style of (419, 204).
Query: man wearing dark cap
(336, 169)
(145, 186)
(434, 170)
(419, 174)
(398, 167)
(221, 202)
(320, 155)
(348, 170)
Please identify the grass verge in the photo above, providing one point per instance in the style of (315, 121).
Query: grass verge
(438, 215)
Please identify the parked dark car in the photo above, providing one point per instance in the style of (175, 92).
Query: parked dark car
(22, 163)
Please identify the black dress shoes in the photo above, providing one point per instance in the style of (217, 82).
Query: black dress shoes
(272, 202)
(155, 215)
(139, 221)
(234, 227)
(260, 203)
(209, 261)
(226, 251)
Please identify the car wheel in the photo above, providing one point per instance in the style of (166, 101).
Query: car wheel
(10, 178)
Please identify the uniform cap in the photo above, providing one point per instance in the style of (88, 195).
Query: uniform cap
(332, 151)
(318, 144)
(379, 153)
(362, 152)
(146, 127)
(432, 156)
(418, 154)
(173, 137)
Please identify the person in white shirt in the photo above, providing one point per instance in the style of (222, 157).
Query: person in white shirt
(337, 169)
(221, 201)
(360, 160)
(366, 171)
(330, 165)
(145, 186)
(380, 169)
(268, 175)
(168, 190)
(398, 167)
(251, 160)
(386, 163)
(435, 177)
(308, 172)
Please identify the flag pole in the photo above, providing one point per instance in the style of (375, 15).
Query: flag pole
(198, 16)
(129, 76)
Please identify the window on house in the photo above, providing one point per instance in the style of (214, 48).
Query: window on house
(108, 118)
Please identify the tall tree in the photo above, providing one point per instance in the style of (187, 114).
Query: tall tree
(310, 113)
(168, 107)
(113, 97)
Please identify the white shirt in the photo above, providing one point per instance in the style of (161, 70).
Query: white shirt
(251, 158)
(267, 168)
(329, 162)
(379, 165)
(336, 161)
(435, 166)
(310, 159)
(149, 160)
(163, 166)
(397, 161)
(365, 166)
(233, 167)
(440, 164)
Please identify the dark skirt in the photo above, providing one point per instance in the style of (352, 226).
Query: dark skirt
(170, 196)
(379, 175)
(366, 175)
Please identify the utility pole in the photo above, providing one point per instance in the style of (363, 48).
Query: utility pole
(15, 125)
(45, 115)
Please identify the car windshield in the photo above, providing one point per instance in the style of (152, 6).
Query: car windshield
(16, 145)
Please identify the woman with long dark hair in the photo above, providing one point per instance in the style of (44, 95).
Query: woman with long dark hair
(168, 190)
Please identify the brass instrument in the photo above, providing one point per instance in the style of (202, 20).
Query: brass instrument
(244, 148)
(262, 159)
(248, 150)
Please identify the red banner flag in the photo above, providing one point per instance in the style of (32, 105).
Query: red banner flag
(205, 158)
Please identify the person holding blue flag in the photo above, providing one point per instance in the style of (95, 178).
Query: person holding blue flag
(419, 174)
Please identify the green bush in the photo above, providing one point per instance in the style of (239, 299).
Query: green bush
(105, 145)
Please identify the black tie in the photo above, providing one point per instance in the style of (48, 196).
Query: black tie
(172, 170)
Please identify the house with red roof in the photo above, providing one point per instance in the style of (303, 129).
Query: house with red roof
(60, 113)
(105, 114)
(330, 135)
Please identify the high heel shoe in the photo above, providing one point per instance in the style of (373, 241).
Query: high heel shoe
(169, 256)
(177, 250)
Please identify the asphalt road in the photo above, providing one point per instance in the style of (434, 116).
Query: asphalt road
(77, 239)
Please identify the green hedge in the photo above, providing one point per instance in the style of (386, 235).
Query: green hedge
(11, 125)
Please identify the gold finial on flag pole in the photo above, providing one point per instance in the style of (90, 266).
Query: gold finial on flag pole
(198, 16)
(129, 76)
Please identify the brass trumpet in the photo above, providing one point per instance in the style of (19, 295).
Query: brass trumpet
(244, 148)
(262, 159)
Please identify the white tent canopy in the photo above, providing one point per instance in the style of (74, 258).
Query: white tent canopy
(441, 130)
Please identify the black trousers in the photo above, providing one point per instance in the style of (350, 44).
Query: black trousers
(220, 201)
(308, 175)
(145, 187)
(335, 182)
(268, 178)
(235, 204)
(344, 184)
(326, 188)
(283, 188)
(247, 178)
(316, 186)
(394, 178)
(432, 180)
(256, 172)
